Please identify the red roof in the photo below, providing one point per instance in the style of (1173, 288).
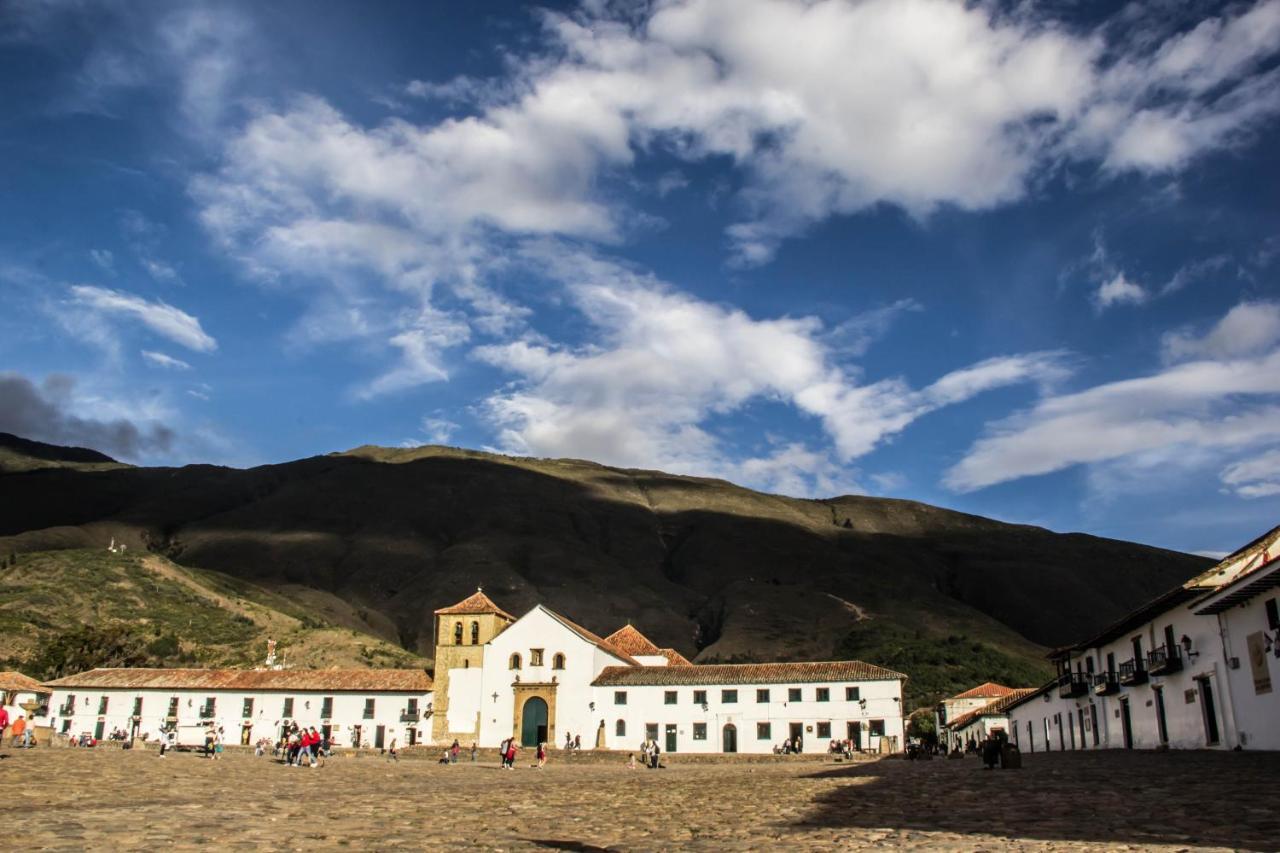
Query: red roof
(476, 603)
(674, 658)
(744, 673)
(995, 708)
(16, 682)
(990, 690)
(632, 642)
(363, 680)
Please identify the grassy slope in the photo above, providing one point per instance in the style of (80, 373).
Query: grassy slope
(215, 619)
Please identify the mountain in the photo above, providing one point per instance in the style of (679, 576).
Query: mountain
(23, 454)
(717, 571)
(63, 611)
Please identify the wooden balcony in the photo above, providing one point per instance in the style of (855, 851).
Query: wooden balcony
(1132, 673)
(1164, 660)
(1072, 684)
(1106, 683)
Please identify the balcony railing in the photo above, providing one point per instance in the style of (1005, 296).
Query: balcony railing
(409, 717)
(206, 712)
(1131, 672)
(67, 710)
(368, 715)
(1071, 684)
(1105, 683)
(1164, 660)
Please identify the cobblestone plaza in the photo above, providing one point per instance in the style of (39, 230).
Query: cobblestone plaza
(66, 799)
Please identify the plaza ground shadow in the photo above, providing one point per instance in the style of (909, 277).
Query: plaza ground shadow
(1183, 798)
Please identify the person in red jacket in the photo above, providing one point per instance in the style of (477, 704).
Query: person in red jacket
(4, 723)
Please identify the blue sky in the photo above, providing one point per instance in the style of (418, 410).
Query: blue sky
(1020, 260)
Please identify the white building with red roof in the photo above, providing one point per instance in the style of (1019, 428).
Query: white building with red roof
(545, 678)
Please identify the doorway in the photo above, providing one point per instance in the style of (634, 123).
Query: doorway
(356, 732)
(1093, 720)
(1210, 711)
(671, 737)
(730, 740)
(533, 722)
(854, 731)
(413, 736)
(246, 732)
(98, 730)
(1126, 723)
(1162, 723)
(796, 731)
(379, 737)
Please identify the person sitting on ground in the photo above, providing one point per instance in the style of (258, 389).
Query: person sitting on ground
(444, 758)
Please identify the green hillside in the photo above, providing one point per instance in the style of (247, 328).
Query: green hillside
(62, 611)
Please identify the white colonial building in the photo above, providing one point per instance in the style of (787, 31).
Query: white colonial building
(972, 715)
(544, 678)
(1191, 669)
(353, 707)
(21, 695)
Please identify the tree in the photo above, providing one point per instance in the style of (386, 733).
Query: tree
(921, 725)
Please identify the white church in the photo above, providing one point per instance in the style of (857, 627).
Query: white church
(544, 678)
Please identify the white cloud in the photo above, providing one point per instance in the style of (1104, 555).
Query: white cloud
(1256, 477)
(1195, 271)
(160, 271)
(662, 364)
(855, 336)
(438, 430)
(1118, 290)
(159, 359)
(165, 320)
(420, 349)
(104, 259)
(1247, 329)
(1207, 404)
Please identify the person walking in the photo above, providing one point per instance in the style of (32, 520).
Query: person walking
(19, 731)
(391, 752)
(4, 723)
(315, 746)
(512, 752)
(454, 751)
(655, 756)
(542, 755)
(474, 752)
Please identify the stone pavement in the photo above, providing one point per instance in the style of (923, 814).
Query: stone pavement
(69, 799)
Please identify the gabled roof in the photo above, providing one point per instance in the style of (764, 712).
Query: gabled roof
(988, 690)
(1240, 562)
(674, 658)
(16, 682)
(591, 638)
(632, 641)
(744, 673)
(476, 603)
(995, 708)
(392, 680)
(1264, 578)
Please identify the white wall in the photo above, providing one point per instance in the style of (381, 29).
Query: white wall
(465, 686)
(538, 629)
(265, 721)
(647, 704)
(1185, 720)
(1257, 714)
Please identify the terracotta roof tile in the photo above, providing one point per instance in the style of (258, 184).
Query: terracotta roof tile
(995, 708)
(475, 603)
(743, 673)
(19, 683)
(989, 690)
(674, 658)
(395, 680)
(632, 642)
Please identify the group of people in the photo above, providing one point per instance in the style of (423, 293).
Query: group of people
(572, 743)
(651, 754)
(789, 747)
(841, 747)
(302, 745)
(20, 735)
